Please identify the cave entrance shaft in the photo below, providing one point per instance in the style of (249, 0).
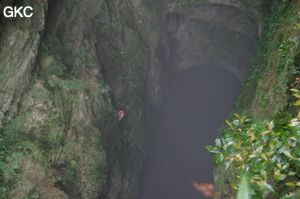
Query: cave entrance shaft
(210, 49)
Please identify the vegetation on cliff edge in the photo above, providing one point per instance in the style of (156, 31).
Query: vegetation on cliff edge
(265, 144)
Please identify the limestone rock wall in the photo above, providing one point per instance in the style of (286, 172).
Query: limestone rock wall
(213, 35)
(61, 84)
(65, 72)
(19, 42)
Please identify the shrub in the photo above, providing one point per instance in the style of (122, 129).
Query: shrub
(268, 151)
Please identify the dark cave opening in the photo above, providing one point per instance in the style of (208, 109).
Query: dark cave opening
(209, 55)
(190, 120)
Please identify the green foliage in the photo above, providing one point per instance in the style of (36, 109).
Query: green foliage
(56, 69)
(66, 84)
(272, 161)
(12, 152)
(35, 195)
(274, 63)
(81, 54)
(296, 93)
(244, 189)
(16, 142)
(268, 151)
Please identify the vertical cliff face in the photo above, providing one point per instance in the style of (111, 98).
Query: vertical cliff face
(20, 41)
(61, 86)
(65, 72)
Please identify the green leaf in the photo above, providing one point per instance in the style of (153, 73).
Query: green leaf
(288, 154)
(244, 189)
(292, 173)
(291, 184)
(237, 115)
(271, 125)
(280, 177)
(294, 90)
(267, 186)
(218, 142)
(263, 173)
(289, 196)
(297, 103)
(228, 123)
(285, 166)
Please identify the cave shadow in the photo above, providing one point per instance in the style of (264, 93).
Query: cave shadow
(199, 100)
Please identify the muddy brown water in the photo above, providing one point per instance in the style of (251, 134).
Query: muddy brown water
(199, 100)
